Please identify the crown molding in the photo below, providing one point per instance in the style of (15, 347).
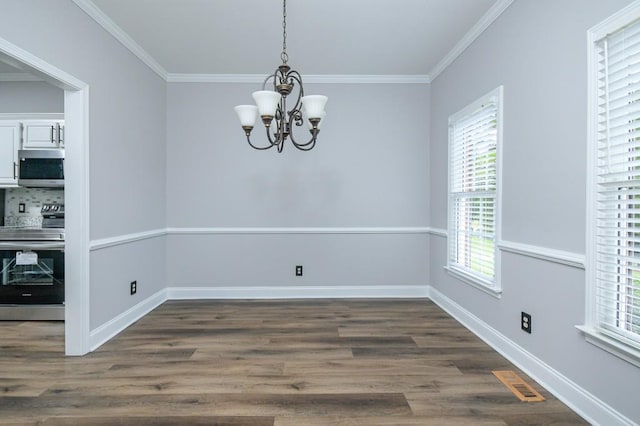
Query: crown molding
(312, 78)
(18, 76)
(215, 78)
(112, 28)
(487, 19)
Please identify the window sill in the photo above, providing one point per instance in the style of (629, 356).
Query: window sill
(610, 344)
(482, 285)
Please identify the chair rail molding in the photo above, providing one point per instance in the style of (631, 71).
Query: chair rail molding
(103, 243)
(567, 258)
(298, 230)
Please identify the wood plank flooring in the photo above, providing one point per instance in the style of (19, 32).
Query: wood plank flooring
(303, 362)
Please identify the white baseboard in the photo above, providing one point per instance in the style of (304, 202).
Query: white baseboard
(592, 409)
(584, 403)
(298, 292)
(108, 330)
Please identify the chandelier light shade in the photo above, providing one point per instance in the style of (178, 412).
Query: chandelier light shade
(248, 115)
(271, 105)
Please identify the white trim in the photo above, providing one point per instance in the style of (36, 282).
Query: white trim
(77, 200)
(591, 408)
(574, 260)
(591, 204)
(137, 236)
(77, 279)
(476, 282)
(610, 344)
(487, 19)
(590, 330)
(298, 292)
(614, 22)
(119, 34)
(32, 116)
(311, 78)
(438, 232)
(215, 78)
(111, 328)
(320, 230)
(39, 68)
(492, 287)
(18, 76)
(125, 239)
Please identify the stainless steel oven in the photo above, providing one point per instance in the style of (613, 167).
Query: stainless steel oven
(32, 274)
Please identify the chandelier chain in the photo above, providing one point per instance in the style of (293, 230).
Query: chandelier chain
(284, 55)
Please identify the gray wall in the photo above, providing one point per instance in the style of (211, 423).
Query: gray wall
(379, 163)
(537, 50)
(30, 97)
(127, 137)
(368, 170)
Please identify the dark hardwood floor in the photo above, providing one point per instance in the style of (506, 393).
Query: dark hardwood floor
(311, 362)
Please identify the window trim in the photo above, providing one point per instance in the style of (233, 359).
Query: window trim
(593, 333)
(493, 288)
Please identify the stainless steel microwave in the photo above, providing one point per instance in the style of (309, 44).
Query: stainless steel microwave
(41, 168)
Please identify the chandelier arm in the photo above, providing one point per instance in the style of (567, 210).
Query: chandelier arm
(264, 83)
(307, 145)
(259, 148)
(295, 75)
(276, 139)
(291, 120)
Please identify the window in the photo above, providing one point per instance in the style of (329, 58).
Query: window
(613, 266)
(474, 141)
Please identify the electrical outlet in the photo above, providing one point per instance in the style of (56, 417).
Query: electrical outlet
(134, 287)
(525, 322)
(298, 270)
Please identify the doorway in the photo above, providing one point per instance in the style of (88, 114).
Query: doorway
(76, 112)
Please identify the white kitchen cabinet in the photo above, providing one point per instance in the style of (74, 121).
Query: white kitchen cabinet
(9, 145)
(43, 134)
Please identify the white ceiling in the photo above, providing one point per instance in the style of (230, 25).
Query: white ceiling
(335, 37)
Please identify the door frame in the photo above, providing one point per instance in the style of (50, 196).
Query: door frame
(77, 254)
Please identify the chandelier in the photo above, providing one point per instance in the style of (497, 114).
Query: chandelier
(272, 104)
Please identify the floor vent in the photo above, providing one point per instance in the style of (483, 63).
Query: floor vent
(519, 387)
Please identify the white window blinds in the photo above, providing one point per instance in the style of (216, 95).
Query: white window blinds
(473, 190)
(617, 215)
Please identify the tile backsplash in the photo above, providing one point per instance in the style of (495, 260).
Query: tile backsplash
(32, 198)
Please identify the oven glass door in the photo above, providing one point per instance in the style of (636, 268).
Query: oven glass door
(31, 276)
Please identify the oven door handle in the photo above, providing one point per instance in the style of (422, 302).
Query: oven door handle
(32, 245)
